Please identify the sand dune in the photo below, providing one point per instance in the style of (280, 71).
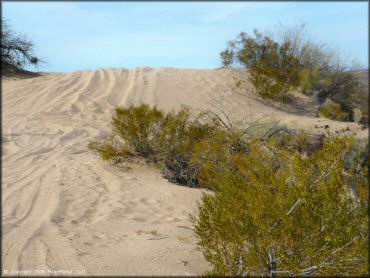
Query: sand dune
(64, 209)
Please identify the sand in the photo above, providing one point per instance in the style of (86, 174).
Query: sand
(67, 212)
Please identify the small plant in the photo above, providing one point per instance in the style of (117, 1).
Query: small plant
(238, 83)
(331, 110)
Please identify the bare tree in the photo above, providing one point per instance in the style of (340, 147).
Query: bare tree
(16, 49)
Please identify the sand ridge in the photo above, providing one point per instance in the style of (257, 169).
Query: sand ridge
(65, 209)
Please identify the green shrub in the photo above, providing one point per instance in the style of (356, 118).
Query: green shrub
(274, 69)
(179, 136)
(331, 110)
(166, 139)
(284, 213)
(293, 61)
(139, 127)
(190, 149)
(211, 156)
(184, 139)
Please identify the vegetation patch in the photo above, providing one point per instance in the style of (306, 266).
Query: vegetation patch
(287, 61)
(168, 140)
(284, 202)
(331, 110)
(278, 212)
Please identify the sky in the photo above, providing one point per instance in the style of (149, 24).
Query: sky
(73, 36)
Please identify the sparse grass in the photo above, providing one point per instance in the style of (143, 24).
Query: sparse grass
(185, 239)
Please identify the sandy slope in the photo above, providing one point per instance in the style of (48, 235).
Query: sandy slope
(64, 209)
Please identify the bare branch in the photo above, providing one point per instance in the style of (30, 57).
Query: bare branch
(344, 246)
(309, 271)
(16, 49)
(299, 201)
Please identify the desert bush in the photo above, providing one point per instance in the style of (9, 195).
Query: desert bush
(323, 68)
(135, 131)
(181, 143)
(180, 134)
(341, 86)
(331, 110)
(325, 73)
(307, 77)
(139, 127)
(274, 70)
(188, 143)
(295, 61)
(282, 213)
(211, 156)
(165, 139)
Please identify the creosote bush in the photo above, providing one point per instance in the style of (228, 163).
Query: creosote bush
(179, 136)
(274, 69)
(278, 212)
(139, 127)
(166, 139)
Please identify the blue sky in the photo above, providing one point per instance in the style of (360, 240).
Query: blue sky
(74, 36)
